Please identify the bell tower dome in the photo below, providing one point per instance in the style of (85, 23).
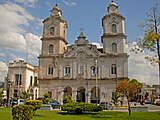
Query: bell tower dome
(113, 37)
(112, 7)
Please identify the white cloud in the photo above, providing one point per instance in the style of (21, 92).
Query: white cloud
(39, 22)
(69, 3)
(140, 68)
(13, 17)
(28, 3)
(3, 70)
(2, 55)
(12, 32)
(97, 44)
(14, 41)
(3, 66)
(33, 43)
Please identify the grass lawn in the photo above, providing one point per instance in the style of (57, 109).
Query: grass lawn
(5, 114)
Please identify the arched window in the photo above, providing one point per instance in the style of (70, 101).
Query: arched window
(51, 49)
(114, 47)
(36, 94)
(114, 28)
(50, 70)
(113, 69)
(52, 30)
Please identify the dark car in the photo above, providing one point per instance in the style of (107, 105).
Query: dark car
(55, 104)
(106, 105)
(14, 102)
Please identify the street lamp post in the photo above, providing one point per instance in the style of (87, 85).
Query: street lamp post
(96, 82)
(9, 83)
(19, 79)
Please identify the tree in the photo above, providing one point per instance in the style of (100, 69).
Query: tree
(128, 89)
(151, 39)
(68, 99)
(24, 95)
(115, 99)
(139, 85)
(46, 98)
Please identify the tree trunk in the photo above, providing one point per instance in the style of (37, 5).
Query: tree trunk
(158, 51)
(156, 25)
(129, 108)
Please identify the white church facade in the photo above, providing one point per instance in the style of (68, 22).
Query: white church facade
(87, 73)
(83, 71)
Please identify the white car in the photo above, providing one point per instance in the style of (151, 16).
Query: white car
(20, 101)
(156, 101)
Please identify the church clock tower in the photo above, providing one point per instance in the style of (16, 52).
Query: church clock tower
(113, 38)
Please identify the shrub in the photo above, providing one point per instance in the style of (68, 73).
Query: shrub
(78, 108)
(68, 99)
(22, 112)
(37, 104)
(115, 99)
(46, 98)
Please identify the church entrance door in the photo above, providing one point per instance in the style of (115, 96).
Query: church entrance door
(81, 94)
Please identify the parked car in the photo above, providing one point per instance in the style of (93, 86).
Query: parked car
(106, 105)
(147, 101)
(14, 102)
(156, 101)
(55, 104)
(21, 101)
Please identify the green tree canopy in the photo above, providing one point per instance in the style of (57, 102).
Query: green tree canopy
(136, 82)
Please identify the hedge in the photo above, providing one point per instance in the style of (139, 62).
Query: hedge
(22, 112)
(80, 107)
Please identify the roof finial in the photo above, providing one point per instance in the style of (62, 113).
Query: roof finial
(112, 0)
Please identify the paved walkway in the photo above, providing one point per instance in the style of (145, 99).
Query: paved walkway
(151, 108)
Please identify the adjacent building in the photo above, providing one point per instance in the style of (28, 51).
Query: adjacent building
(22, 77)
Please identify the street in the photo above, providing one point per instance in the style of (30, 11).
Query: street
(153, 107)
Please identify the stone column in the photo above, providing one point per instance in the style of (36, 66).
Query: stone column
(61, 94)
(88, 100)
(74, 95)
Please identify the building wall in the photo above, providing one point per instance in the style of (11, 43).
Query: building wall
(81, 58)
(26, 71)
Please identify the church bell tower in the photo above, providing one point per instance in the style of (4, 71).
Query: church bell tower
(113, 38)
(54, 33)
(54, 44)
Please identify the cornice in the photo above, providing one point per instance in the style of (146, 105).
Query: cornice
(113, 13)
(55, 38)
(112, 35)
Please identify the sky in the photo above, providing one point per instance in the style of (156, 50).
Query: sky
(21, 29)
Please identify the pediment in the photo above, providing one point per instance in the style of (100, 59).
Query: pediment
(83, 51)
